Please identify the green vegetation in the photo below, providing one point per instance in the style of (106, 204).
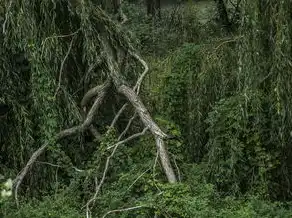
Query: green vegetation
(217, 96)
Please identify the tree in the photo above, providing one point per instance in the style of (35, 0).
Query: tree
(66, 43)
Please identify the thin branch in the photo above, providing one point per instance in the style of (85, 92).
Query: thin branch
(62, 66)
(129, 138)
(58, 166)
(127, 127)
(59, 36)
(124, 209)
(138, 178)
(177, 168)
(118, 115)
(115, 146)
(141, 78)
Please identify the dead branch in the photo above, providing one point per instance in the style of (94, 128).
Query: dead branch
(164, 159)
(90, 94)
(134, 99)
(127, 127)
(118, 115)
(17, 181)
(90, 116)
(62, 66)
(136, 87)
(87, 122)
(58, 166)
(141, 78)
(141, 110)
(115, 146)
(142, 174)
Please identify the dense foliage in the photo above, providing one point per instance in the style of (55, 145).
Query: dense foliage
(223, 94)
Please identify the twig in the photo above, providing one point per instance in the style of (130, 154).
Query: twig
(59, 36)
(118, 115)
(129, 138)
(138, 178)
(62, 66)
(127, 127)
(178, 171)
(115, 146)
(123, 209)
(228, 41)
(55, 165)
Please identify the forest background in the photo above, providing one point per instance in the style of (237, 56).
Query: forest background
(150, 108)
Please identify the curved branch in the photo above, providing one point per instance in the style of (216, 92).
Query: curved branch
(87, 122)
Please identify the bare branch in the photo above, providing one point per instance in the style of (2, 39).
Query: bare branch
(164, 159)
(17, 181)
(129, 138)
(62, 66)
(87, 122)
(90, 94)
(90, 116)
(141, 110)
(118, 115)
(136, 87)
(115, 146)
(127, 127)
(141, 78)
(142, 174)
(60, 36)
(58, 166)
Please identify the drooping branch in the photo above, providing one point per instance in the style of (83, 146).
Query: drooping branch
(87, 122)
